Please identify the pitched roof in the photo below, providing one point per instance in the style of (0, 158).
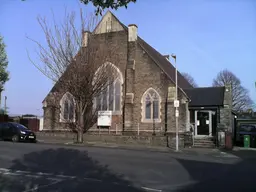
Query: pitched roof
(206, 96)
(57, 83)
(164, 64)
(159, 59)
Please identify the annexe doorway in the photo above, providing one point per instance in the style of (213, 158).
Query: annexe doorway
(203, 123)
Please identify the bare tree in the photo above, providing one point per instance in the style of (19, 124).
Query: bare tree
(73, 58)
(241, 100)
(190, 79)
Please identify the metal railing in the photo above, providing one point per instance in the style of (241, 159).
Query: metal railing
(137, 128)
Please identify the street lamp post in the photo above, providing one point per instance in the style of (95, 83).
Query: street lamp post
(176, 103)
(5, 106)
(1, 90)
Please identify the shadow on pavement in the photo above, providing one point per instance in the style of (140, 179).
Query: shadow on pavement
(212, 177)
(243, 154)
(60, 163)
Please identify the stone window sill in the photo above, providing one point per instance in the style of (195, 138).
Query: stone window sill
(151, 121)
(117, 113)
(64, 121)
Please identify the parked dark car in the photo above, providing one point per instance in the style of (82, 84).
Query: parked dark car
(16, 132)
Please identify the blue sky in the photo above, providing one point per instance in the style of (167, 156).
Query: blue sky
(206, 35)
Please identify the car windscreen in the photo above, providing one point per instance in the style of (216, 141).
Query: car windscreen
(20, 127)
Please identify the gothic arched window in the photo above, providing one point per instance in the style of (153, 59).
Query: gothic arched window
(151, 106)
(67, 104)
(110, 99)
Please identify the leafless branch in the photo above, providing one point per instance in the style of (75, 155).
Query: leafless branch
(190, 79)
(241, 100)
(82, 70)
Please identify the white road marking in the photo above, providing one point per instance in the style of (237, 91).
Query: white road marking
(22, 172)
(18, 174)
(3, 169)
(64, 176)
(42, 186)
(50, 176)
(33, 176)
(10, 173)
(55, 178)
(43, 174)
(151, 189)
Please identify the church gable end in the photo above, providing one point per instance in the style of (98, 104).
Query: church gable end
(140, 97)
(109, 23)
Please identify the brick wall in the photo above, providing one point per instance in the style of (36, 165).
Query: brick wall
(146, 75)
(52, 111)
(226, 111)
(110, 139)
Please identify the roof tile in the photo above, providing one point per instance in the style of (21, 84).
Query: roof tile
(205, 96)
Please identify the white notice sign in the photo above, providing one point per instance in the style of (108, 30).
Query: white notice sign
(104, 118)
(176, 113)
(176, 103)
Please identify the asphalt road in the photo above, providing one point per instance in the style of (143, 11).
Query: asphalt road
(28, 167)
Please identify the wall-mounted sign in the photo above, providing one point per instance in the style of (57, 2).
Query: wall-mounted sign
(171, 93)
(176, 113)
(176, 103)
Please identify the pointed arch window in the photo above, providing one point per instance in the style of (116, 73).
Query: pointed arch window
(67, 104)
(151, 106)
(111, 98)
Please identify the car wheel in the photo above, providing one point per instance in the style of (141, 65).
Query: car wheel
(15, 138)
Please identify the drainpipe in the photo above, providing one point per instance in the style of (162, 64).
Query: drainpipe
(166, 109)
(154, 124)
(125, 90)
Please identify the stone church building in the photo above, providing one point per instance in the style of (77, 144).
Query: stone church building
(144, 91)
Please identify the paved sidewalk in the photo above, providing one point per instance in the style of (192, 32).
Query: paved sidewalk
(244, 149)
(108, 145)
(187, 151)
